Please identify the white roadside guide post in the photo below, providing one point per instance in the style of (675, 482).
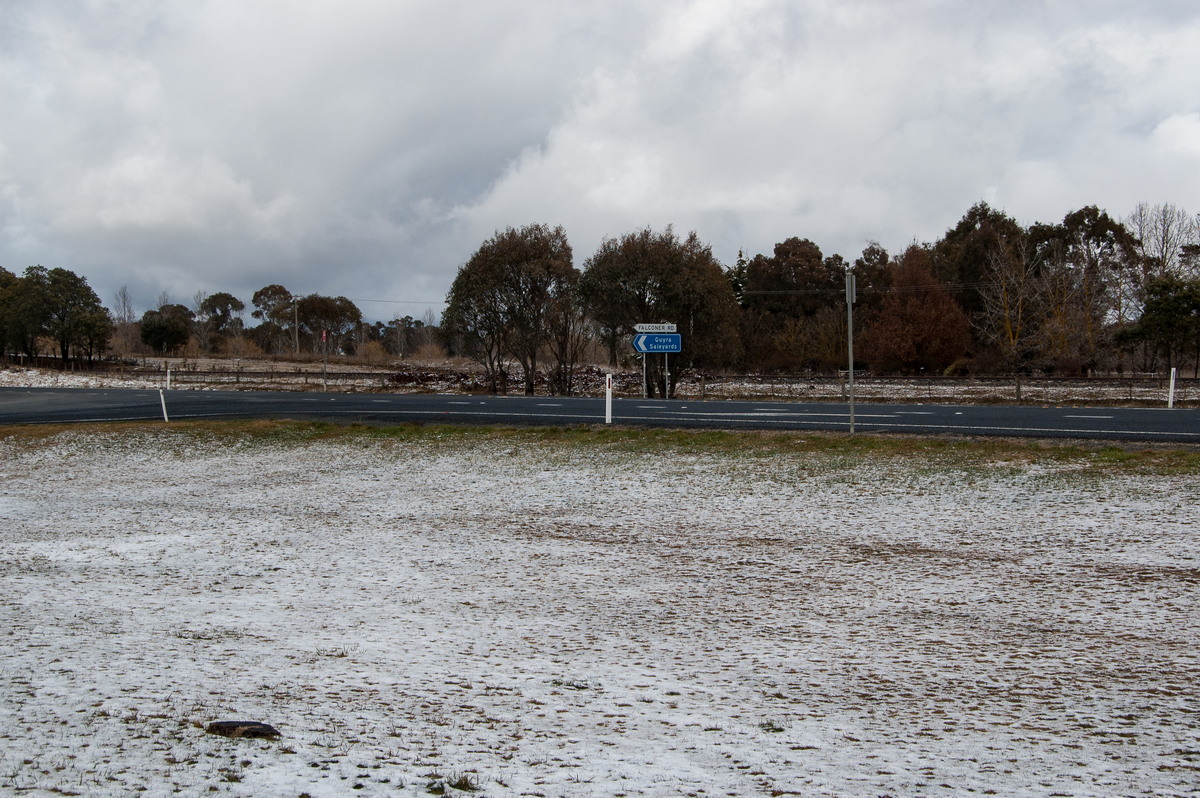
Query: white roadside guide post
(1171, 391)
(850, 296)
(162, 397)
(608, 388)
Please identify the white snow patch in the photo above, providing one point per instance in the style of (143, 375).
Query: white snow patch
(40, 378)
(542, 621)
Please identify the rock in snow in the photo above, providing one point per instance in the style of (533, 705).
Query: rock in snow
(242, 728)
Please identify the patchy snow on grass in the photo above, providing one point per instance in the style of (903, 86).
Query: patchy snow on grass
(48, 378)
(536, 619)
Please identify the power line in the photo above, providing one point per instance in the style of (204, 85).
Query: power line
(903, 289)
(404, 301)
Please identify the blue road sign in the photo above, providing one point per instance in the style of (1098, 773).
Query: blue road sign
(658, 342)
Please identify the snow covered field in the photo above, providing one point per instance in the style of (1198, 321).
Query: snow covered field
(533, 617)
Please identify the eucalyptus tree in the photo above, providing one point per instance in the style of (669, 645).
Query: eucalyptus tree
(504, 300)
(792, 300)
(8, 284)
(1085, 262)
(74, 315)
(276, 308)
(966, 257)
(323, 320)
(1170, 322)
(57, 304)
(218, 319)
(168, 329)
(657, 277)
(26, 309)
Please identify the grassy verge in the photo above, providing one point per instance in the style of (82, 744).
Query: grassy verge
(934, 452)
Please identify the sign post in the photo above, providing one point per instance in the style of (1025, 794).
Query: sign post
(664, 342)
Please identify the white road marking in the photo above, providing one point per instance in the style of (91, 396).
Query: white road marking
(780, 414)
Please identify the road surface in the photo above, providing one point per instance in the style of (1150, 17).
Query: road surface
(70, 405)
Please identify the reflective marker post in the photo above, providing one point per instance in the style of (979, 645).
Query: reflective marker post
(850, 296)
(608, 388)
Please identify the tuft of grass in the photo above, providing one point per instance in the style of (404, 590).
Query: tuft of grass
(337, 652)
(464, 782)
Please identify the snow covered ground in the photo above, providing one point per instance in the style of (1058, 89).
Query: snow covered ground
(48, 378)
(535, 618)
(532, 618)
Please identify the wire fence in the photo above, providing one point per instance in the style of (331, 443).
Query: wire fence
(1126, 389)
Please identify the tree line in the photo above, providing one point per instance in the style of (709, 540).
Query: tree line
(55, 312)
(1088, 294)
(52, 309)
(1091, 293)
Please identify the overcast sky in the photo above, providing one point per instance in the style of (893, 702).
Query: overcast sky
(366, 148)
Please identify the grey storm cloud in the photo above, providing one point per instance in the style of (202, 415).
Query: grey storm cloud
(366, 148)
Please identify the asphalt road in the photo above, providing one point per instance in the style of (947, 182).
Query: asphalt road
(71, 405)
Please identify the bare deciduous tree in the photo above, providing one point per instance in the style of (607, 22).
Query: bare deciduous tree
(1012, 303)
(1161, 233)
(126, 320)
